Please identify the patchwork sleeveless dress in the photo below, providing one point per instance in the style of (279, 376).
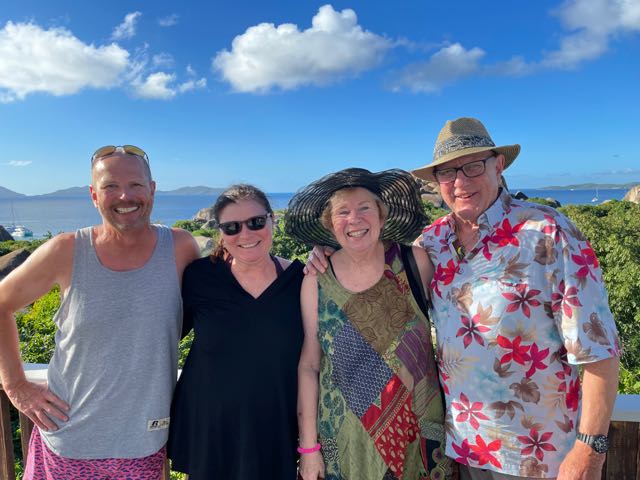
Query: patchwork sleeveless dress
(380, 414)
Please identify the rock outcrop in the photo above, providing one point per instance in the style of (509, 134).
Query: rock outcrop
(520, 195)
(633, 195)
(4, 235)
(430, 192)
(205, 244)
(11, 261)
(204, 215)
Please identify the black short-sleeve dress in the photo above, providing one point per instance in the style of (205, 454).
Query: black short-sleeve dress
(233, 415)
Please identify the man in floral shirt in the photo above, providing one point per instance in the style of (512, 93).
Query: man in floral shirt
(518, 302)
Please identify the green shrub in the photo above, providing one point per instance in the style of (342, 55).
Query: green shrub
(284, 246)
(188, 225)
(542, 201)
(9, 246)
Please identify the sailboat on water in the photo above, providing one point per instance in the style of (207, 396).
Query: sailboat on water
(595, 199)
(18, 231)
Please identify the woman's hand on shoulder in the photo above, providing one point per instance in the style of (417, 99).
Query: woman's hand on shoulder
(311, 466)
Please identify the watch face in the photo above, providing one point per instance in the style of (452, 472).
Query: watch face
(601, 444)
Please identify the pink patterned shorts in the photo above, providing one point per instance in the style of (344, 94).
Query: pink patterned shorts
(43, 464)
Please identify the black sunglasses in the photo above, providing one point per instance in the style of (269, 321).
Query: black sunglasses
(253, 223)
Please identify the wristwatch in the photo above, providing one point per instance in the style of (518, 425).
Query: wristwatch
(599, 443)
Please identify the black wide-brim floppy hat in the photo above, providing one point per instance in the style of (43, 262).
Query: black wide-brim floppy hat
(396, 188)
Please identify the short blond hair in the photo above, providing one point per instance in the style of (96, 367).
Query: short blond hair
(325, 216)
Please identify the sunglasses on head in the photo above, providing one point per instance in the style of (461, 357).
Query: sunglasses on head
(253, 223)
(111, 149)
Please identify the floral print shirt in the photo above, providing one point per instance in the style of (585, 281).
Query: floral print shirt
(513, 319)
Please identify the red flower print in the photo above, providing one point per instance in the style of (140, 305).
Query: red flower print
(485, 247)
(464, 452)
(469, 411)
(586, 259)
(436, 226)
(564, 299)
(443, 381)
(506, 234)
(566, 372)
(518, 353)
(483, 451)
(553, 229)
(444, 275)
(573, 395)
(522, 299)
(537, 357)
(536, 444)
(471, 330)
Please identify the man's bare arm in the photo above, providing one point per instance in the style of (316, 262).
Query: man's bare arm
(599, 389)
(49, 265)
(186, 249)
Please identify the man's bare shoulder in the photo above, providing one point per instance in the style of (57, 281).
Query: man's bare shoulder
(60, 246)
(185, 245)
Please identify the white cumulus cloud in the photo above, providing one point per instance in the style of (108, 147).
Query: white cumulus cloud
(266, 56)
(19, 163)
(169, 20)
(163, 86)
(163, 60)
(444, 67)
(592, 25)
(192, 85)
(127, 29)
(54, 61)
(156, 85)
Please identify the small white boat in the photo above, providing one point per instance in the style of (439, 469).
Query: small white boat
(595, 199)
(19, 231)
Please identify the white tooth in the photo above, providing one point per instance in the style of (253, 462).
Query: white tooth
(357, 234)
(126, 210)
(251, 245)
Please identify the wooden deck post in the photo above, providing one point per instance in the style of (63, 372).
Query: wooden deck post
(6, 439)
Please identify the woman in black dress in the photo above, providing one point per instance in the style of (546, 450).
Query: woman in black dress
(233, 415)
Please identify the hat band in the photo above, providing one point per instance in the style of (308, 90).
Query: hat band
(460, 142)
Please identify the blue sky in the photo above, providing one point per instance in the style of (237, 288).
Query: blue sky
(279, 93)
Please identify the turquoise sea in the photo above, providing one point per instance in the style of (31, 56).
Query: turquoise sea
(43, 214)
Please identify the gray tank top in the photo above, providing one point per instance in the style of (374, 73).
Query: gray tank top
(115, 360)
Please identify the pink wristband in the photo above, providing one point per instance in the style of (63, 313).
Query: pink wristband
(309, 450)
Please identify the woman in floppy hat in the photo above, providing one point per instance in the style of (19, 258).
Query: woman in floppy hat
(369, 402)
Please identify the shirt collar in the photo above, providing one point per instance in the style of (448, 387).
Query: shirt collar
(496, 212)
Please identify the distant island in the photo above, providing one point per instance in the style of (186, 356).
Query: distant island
(591, 186)
(5, 193)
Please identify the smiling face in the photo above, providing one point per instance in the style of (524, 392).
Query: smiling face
(248, 246)
(467, 197)
(122, 191)
(356, 219)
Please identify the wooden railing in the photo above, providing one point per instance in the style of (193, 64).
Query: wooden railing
(623, 459)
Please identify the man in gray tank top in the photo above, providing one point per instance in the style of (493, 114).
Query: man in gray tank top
(105, 409)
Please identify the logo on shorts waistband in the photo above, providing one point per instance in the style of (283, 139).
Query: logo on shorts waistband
(158, 424)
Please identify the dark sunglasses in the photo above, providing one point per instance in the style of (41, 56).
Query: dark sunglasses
(253, 223)
(111, 149)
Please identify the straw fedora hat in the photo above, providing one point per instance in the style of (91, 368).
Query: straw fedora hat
(460, 137)
(397, 189)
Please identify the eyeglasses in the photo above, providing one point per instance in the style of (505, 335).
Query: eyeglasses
(111, 149)
(253, 223)
(471, 170)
